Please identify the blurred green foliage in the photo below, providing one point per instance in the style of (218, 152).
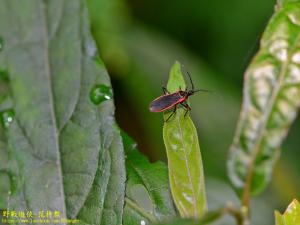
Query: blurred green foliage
(215, 40)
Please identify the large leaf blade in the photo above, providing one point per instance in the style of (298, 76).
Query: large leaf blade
(58, 134)
(4, 176)
(184, 158)
(148, 196)
(271, 101)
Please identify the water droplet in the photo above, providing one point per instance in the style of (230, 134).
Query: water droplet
(1, 43)
(100, 93)
(4, 75)
(7, 117)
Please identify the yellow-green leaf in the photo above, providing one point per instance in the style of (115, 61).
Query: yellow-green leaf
(282, 2)
(291, 216)
(184, 158)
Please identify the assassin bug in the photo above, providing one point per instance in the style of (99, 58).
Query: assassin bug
(169, 100)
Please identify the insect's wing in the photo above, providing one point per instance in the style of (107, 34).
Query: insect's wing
(164, 102)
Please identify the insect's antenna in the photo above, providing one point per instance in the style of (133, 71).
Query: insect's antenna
(204, 90)
(191, 80)
(189, 77)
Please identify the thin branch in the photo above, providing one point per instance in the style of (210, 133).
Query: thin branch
(140, 210)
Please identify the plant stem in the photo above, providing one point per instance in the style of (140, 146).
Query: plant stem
(246, 196)
(234, 212)
(140, 210)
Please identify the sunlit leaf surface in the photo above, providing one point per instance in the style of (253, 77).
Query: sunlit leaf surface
(184, 158)
(291, 216)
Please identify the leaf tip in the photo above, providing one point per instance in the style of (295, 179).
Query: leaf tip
(176, 80)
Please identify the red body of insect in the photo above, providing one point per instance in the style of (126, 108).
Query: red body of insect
(169, 100)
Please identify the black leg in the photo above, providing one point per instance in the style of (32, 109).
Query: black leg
(174, 111)
(187, 108)
(186, 111)
(165, 90)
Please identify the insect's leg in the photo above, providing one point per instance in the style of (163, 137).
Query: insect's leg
(174, 111)
(185, 105)
(164, 89)
(187, 108)
(186, 111)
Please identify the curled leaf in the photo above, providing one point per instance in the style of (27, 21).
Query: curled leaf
(270, 104)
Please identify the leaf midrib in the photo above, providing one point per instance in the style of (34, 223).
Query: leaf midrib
(130, 203)
(187, 167)
(51, 100)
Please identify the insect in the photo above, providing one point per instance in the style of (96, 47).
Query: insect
(169, 100)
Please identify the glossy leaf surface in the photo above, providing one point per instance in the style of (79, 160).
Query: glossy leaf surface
(184, 158)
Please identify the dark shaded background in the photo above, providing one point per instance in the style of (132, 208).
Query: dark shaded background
(139, 40)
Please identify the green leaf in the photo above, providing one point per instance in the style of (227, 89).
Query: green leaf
(270, 104)
(104, 204)
(282, 2)
(176, 79)
(59, 140)
(114, 20)
(148, 196)
(4, 175)
(209, 218)
(291, 216)
(181, 222)
(184, 157)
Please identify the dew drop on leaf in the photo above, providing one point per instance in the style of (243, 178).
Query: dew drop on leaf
(7, 117)
(100, 93)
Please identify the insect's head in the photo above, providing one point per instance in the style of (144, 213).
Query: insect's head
(183, 93)
(191, 92)
(187, 93)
